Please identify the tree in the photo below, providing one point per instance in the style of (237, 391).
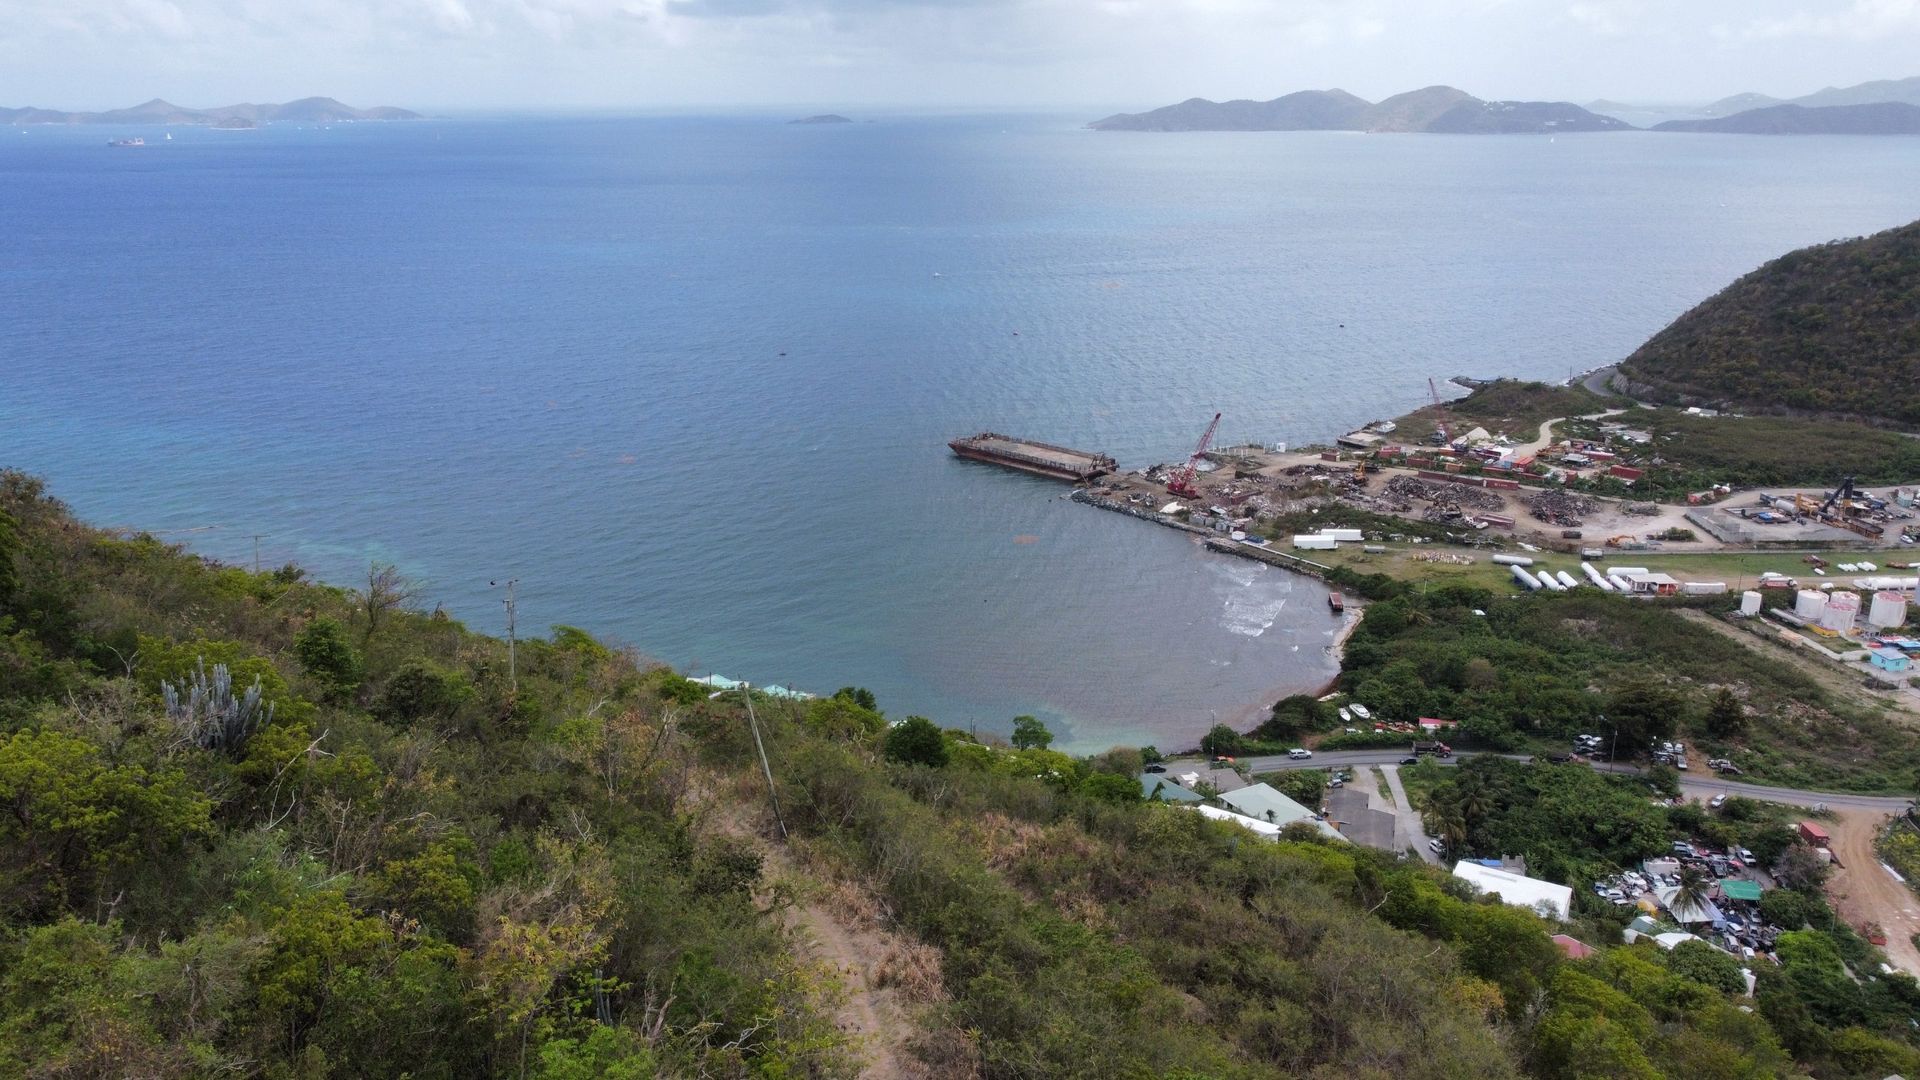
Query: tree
(1221, 740)
(1703, 963)
(421, 691)
(1801, 867)
(1108, 787)
(387, 590)
(328, 657)
(860, 696)
(1645, 711)
(1030, 734)
(1694, 892)
(9, 553)
(1726, 717)
(917, 741)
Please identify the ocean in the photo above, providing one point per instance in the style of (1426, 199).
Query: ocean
(690, 380)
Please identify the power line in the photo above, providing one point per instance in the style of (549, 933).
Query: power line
(772, 795)
(513, 677)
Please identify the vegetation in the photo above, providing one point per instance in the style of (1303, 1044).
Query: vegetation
(1692, 453)
(1512, 406)
(1833, 328)
(391, 862)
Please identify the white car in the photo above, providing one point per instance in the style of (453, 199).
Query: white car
(1717, 802)
(1298, 752)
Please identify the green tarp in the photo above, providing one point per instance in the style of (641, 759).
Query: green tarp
(1739, 890)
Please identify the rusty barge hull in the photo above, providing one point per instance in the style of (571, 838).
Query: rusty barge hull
(1038, 458)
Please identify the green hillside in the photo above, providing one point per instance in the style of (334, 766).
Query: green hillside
(1833, 328)
(259, 826)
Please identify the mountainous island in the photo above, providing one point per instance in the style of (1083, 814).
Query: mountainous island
(1833, 328)
(1438, 109)
(313, 110)
(1886, 107)
(1877, 118)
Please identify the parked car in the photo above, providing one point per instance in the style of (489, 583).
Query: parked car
(1681, 847)
(1744, 854)
(1334, 781)
(1435, 846)
(1156, 768)
(1299, 752)
(1717, 802)
(1409, 761)
(1559, 759)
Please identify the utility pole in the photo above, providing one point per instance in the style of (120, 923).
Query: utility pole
(513, 677)
(256, 550)
(746, 692)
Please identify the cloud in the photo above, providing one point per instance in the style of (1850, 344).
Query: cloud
(1862, 20)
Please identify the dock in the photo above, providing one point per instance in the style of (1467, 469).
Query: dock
(1041, 459)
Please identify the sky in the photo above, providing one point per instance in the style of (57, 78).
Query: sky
(646, 55)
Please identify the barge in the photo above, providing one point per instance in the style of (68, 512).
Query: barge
(1041, 459)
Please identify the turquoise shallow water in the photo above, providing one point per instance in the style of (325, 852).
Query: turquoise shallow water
(690, 379)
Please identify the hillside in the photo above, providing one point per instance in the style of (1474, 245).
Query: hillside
(313, 110)
(382, 850)
(1866, 93)
(1883, 118)
(1833, 328)
(1439, 109)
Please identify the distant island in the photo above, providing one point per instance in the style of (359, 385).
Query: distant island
(823, 118)
(1436, 109)
(1885, 107)
(1879, 118)
(313, 110)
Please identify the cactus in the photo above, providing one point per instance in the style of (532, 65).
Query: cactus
(210, 716)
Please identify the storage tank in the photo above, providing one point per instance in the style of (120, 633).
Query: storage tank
(1889, 609)
(1703, 588)
(1809, 604)
(1902, 584)
(1314, 543)
(1548, 583)
(1619, 582)
(1513, 560)
(1565, 578)
(1842, 609)
(1525, 579)
(1623, 571)
(1351, 536)
(1750, 603)
(1599, 579)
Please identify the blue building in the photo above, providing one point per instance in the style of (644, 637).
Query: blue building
(1890, 659)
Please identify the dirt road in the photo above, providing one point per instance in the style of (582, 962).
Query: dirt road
(1863, 891)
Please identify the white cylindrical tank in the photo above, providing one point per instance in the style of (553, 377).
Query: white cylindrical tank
(1842, 609)
(1889, 609)
(1548, 583)
(1703, 588)
(1623, 571)
(1619, 583)
(1599, 579)
(1525, 579)
(1314, 543)
(1750, 603)
(1351, 536)
(1513, 560)
(1901, 584)
(1565, 578)
(1809, 604)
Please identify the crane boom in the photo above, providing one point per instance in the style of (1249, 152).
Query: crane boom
(1182, 482)
(1439, 411)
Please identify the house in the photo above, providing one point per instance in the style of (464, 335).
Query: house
(1252, 825)
(1155, 786)
(1263, 802)
(1643, 584)
(1516, 889)
(1353, 812)
(1890, 659)
(1573, 947)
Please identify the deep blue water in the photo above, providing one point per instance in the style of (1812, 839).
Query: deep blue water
(690, 379)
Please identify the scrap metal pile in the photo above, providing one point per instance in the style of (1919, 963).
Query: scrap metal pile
(1562, 508)
(1642, 509)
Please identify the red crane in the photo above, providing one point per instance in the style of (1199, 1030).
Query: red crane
(1182, 482)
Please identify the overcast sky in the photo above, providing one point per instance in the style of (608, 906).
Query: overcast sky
(652, 54)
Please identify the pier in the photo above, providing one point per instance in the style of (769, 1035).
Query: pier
(1041, 459)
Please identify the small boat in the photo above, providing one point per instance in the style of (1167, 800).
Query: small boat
(1361, 711)
(1346, 715)
(135, 141)
(1336, 602)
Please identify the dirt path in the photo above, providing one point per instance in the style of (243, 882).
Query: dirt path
(1863, 891)
(870, 1014)
(1409, 826)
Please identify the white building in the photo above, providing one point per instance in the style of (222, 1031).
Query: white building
(1517, 890)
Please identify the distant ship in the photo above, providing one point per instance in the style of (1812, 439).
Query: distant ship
(135, 141)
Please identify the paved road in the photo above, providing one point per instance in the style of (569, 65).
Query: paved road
(1703, 786)
(1412, 828)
